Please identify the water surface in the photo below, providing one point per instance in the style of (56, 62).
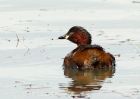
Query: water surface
(32, 56)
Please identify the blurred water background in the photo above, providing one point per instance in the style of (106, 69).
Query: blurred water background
(32, 56)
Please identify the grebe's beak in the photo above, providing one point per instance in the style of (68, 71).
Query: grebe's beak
(64, 37)
(61, 37)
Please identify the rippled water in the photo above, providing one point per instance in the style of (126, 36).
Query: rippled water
(32, 56)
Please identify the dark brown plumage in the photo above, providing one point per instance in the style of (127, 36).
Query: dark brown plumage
(86, 56)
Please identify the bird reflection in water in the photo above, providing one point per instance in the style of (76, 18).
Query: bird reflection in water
(86, 80)
(87, 65)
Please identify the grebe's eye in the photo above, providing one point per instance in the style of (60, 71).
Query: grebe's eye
(71, 33)
(68, 35)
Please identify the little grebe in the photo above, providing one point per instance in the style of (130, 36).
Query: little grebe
(86, 56)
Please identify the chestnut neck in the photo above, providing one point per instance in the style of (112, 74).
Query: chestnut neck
(79, 36)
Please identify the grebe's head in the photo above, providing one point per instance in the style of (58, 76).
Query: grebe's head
(78, 35)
